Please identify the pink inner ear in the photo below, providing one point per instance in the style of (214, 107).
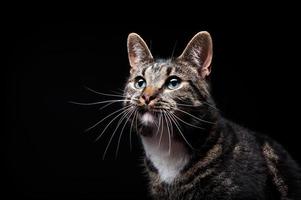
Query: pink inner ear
(138, 51)
(198, 53)
(206, 67)
(205, 72)
(133, 61)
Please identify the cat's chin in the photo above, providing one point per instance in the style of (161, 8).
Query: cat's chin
(148, 119)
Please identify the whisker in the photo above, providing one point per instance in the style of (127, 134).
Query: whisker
(186, 122)
(124, 108)
(103, 107)
(210, 105)
(175, 121)
(119, 138)
(104, 94)
(111, 138)
(171, 123)
(168, 131)
(159, 123)
(173, 50)
(162, 129)
(107, 105)
(111, 123)
(121, 92)
(179, 129)
(135, 115)
(137, 123)
(188, 105)
(99, 102)
(202, 120)
(203, 102)
(156, 123)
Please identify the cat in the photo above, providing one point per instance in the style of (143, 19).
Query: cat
(191, 151)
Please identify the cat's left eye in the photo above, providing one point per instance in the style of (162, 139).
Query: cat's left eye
(173, 83)
(140, 83)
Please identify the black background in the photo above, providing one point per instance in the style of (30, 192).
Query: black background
(255, 82)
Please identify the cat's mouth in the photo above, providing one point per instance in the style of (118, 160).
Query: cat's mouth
(148, 118)
(149, 115)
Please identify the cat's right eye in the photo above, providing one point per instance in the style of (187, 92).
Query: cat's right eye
(140, 83)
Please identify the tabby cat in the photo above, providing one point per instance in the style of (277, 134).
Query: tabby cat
(191, 151)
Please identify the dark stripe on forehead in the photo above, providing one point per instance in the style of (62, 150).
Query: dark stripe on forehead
(143, 71)
(156, 67)
(168, 70)
(177, 68)
(153, 66)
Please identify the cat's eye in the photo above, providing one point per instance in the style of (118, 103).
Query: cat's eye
(140, 83)
(173, 83)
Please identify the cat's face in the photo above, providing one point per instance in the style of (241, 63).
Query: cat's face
(167, 87)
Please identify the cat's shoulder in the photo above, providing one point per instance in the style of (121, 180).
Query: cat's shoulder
(245, 135)
(268, 146)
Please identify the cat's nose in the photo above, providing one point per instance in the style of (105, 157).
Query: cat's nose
(147, 98)
(149, 94)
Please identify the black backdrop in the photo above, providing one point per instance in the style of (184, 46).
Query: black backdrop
(48, 154)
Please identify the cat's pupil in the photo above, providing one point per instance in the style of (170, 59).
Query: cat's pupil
(173, 83)
(140, 83)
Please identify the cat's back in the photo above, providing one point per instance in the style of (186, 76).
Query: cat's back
(263, 163)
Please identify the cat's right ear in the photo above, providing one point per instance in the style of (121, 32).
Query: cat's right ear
(198, 53)
(138, 51)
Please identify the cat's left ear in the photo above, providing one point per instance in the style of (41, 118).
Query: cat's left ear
(198, 53)
(138, 51)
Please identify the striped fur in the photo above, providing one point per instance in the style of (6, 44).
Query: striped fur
(191, 151)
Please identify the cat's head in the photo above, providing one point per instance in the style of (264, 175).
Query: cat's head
(174, 87)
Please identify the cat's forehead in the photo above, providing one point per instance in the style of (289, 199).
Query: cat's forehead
(159, 69)
(157, 72)
(165, 68)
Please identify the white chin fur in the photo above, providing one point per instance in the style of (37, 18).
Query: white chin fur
(168, 160)
(147, 118)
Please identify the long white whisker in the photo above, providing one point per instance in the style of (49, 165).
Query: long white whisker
(186, 122)
(119, 138)
(99, 102)
(162, 129)
(111, 138)
(111, 123)
(173, 50)
(135, 115)
(202, 120)
(156, 123)
(136, 123)
(203, 102)
(103, 107)
(159, 123)
(121, 92)
(212, 106)
(179, 129)
(124, 108)
(168, 131)
(175, 121)
(168, 117)
(196, 106)
(104, 94)
(188, 105)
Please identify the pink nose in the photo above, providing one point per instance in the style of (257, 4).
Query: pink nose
(149, 94)
(148, 98)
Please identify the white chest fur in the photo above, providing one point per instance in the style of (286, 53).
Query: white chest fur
(168, 157)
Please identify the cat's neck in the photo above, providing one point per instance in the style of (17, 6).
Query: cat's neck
(172, 155)
(168, 155)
